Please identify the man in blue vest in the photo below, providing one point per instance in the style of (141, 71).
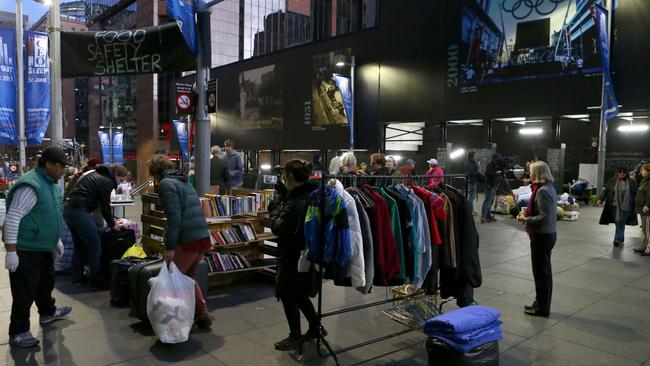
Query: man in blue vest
(31, 235)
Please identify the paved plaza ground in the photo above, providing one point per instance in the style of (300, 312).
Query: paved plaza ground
(599, 316)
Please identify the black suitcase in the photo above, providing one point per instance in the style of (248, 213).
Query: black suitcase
(139, 287)
(441, 354)
(201, 277)
(120, 279)
(114, 244)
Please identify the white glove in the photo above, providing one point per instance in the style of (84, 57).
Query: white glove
(646, 209)
(11, 261)
(58, 252)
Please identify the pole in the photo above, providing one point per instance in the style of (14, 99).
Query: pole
(202, 133)
(110, 141)
(56, 122)
(352, 71)
(22, 156)
(602, 146)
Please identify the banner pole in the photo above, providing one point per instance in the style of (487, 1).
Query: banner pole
(602, 145)
(56, 105)
(20, 101)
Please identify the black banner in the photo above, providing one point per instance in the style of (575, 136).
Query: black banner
(132, 51)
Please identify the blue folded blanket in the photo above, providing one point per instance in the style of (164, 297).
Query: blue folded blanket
(467, 328)
(491, 335)
(468, 336)
(462, 320)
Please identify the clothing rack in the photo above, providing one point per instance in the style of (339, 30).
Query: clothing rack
(321, 337)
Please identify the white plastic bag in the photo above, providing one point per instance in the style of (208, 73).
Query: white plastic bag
(170, 305)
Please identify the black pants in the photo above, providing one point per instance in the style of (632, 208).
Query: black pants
(541, 246)
(32, 282)
(293, 305)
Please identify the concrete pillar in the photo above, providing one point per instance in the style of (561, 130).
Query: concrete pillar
(147, 98)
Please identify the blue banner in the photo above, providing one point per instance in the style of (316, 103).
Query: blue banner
(118, 147)
(611, 104)
(105, 142)
(181, 133)
(343, 83)
(183, 12)
(8, 86)
(37, 87)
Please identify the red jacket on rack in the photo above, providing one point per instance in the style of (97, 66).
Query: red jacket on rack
(387, 263)
(432, 213)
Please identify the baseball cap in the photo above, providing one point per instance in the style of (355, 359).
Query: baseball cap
(410, 161)
(432, 161)
(55, 154)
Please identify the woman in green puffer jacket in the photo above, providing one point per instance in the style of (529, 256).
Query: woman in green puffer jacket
(642, 205)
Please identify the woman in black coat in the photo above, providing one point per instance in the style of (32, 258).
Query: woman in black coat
(287, 214)
(618, 197)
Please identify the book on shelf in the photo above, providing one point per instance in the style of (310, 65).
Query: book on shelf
(233, 234)
(232, 261)
(224, 205)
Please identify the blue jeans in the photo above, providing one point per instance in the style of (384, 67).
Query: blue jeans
(87, 244)
(490, 191)
(620, 227)
(472, 188)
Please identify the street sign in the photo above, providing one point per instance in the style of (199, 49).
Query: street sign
(183, 101)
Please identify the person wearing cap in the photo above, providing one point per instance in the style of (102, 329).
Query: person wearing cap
(619, 196)
(92, 191)
(32, 234)
(435, 173)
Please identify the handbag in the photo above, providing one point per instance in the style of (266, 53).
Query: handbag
(303, 262)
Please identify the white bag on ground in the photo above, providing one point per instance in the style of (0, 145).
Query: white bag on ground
(170, 305)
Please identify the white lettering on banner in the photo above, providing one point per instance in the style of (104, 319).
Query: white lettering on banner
(118, 52)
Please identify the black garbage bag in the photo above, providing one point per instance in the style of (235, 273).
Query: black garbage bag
(441, 354)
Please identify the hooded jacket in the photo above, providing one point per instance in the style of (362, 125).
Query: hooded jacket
(185, 219)
(93, 190)
(355, 268)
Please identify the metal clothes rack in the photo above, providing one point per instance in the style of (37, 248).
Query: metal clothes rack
(321, 337)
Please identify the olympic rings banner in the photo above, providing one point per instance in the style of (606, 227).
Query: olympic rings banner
(516, 40)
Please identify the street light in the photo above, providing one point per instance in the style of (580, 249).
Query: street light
(352, 64)
(22, 156)
(54, 35)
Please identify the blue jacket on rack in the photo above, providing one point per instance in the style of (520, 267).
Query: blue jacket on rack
(338, 243)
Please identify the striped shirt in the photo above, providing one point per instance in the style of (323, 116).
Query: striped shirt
(23, 201)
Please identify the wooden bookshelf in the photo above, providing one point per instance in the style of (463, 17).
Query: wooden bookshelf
(154, 223)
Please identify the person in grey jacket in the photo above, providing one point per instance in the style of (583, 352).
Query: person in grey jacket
(234, 165)
(218, 171)
(541, 219)
(187, 237)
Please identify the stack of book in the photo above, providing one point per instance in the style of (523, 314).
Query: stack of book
(262, 199)
(222, 205)
(232, 261)
(235, 233)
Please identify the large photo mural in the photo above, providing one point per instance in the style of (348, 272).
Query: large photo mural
(509, 40)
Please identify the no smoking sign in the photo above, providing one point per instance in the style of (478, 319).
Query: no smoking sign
(183, 101)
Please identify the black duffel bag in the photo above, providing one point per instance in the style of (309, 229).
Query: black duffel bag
(441, 354)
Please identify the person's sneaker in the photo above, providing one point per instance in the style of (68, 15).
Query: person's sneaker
(484, 220)
(24, 340)
(493, 219)
(59, 314)
(288, 344)
(617, 244)
(314, 333)
(639, 250)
